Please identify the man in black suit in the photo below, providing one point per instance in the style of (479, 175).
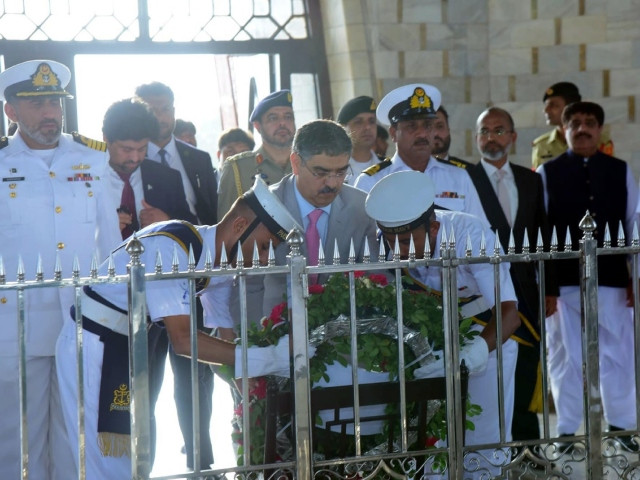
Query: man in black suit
(513, 198)
(200, 187)
(157, 193)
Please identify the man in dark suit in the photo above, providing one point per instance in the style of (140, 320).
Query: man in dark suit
(200, 187)
(157, 192)
(513, 199)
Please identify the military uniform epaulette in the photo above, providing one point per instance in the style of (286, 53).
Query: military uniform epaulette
(240, 156)
(89, 142)
(544, 136)
(4, 141)
(456, 162)
(373, 169)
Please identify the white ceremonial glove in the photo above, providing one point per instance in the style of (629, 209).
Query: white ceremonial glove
(475, 355)
(271, 360)
(432, 369)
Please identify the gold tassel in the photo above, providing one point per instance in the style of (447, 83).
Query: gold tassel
(536, 399)
(114, 444)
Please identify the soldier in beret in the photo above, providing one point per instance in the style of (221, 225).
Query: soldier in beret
(50, 183)
(274, 120)
(358, 117)
(553, 144)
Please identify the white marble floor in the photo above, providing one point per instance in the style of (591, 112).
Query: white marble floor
(169, 459)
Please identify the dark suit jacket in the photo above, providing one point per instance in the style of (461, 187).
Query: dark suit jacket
(163, 189)
(531, 215)
(197, 164)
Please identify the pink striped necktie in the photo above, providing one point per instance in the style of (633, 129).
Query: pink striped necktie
(312, 237)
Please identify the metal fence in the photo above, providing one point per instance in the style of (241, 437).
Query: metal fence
(597, 455)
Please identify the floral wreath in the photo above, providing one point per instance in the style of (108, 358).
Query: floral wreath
(377, 347)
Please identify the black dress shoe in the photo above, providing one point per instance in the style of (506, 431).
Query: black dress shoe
(627, 441)
(564, 446)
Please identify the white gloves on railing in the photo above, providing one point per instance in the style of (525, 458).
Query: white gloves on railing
(475, 355)
(271, 360)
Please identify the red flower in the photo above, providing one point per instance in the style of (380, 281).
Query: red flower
(277, 312)
(316, 289)
(431, 441)
(259, 389)
(358, 273)
(378, 279)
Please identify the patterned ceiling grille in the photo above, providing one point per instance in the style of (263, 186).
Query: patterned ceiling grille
(169, 20)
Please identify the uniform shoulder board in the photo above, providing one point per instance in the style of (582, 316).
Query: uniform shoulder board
(240, 156)
(456, 162)
(539, 139)
(89, 142)
(373, 169)
(4, 141)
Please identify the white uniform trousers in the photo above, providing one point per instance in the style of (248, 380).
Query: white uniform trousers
(98, 467)
(616, 346)
(49, 448)
(483, 391)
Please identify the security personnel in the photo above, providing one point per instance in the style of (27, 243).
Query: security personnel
(257, 218)
(50, 184)
(411, 111)
(553, 144)
(274, 120)
(358, 117)
(402, 205)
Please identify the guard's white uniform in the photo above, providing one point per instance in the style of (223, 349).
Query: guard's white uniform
(164, 298)
(477, 279)
(454, 188)
(48, 205)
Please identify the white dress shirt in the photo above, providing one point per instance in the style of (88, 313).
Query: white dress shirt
(174, 161)
(109, 235)
(358, 167)
(509, 182)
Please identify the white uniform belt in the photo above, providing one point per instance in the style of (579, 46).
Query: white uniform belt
(105, 316)
(474, 307)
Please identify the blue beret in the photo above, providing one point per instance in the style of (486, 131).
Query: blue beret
(281, 98)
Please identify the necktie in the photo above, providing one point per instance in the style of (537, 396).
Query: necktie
(128, 205)
(163, 157)
(503, 195)
(312, 237)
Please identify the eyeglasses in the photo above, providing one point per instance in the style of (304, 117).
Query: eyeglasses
(498, 132)
(326, 174)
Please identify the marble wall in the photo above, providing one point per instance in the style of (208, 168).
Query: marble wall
(492, 52)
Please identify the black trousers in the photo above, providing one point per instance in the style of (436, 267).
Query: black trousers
(181, 366)
(525, 424)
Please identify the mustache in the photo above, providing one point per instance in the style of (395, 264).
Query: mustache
(421, 141)
(582, 134)
(51, 121)
(328, 189)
